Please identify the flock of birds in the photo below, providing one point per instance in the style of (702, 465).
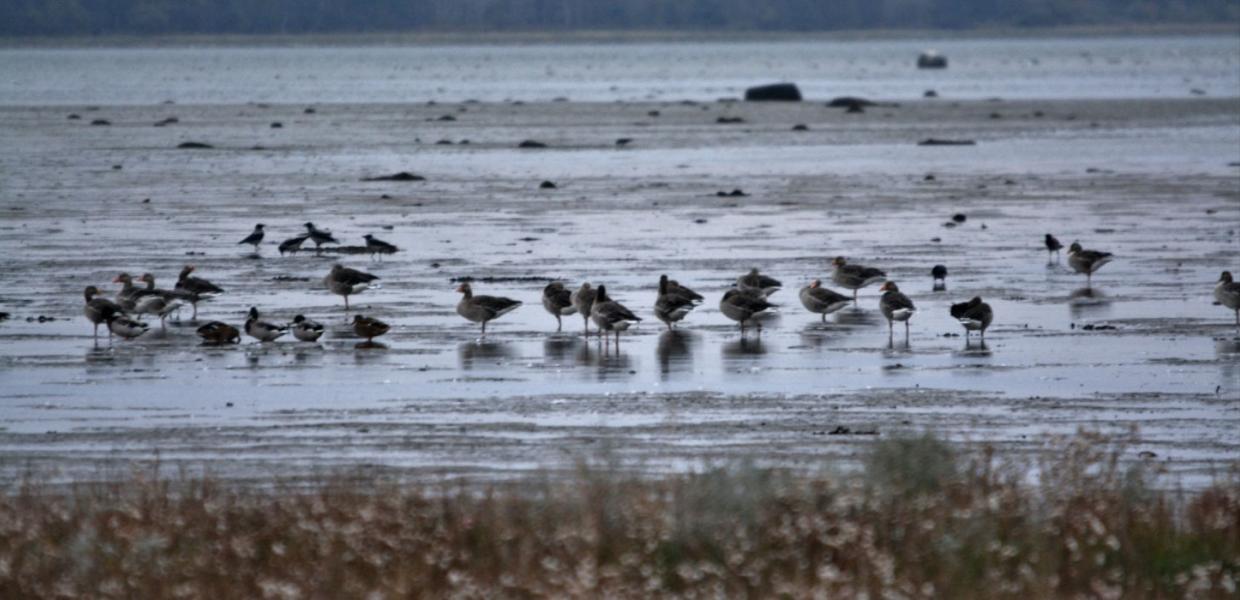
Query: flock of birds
(744, 303)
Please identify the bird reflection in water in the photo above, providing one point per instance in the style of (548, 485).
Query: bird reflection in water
(744, 348)
(478, 352)
(674, 352)
(559, 349)
(973, 348)
(857, 317)
(1088, 302)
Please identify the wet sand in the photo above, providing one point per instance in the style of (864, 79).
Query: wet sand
(1152, 181)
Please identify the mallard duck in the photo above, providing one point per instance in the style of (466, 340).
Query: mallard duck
(855, 277)
(610, 315)
(741, 306)
(1227, 292)
(255, 238)
(369, 328)
(895, 306)
(305, 329)
(820, 300)
(973, 315)
(263, 331)
(1086, 261)
(344, 281)
(754, 281)
(126, 327)
(481, 309)
(583, 301)
(218, 333)
(558, 301)
(672, 305)
(98, 309)
(195, 289)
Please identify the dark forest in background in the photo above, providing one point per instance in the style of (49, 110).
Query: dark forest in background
(101, 17)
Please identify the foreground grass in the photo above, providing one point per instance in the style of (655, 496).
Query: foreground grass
(920, 522)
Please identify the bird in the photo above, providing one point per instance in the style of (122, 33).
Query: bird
(369, 328)
(939, 275)
(481, 309)
(756, 281)
(741, 306)
(263, 331)
(583, 300)
(855, 277)
(674, 287)
(126, 327)
(1052, 246)
(558, 301)
(378, 246)
(219, 333)
(896, 306)
(292, 244)
(670, 306)
(818, 299)
(99, 309)
(128, 296)
(255, 238)
(344, 281)
(305, 329)
(319, 236)
(195, 289)
(153, 301)
(1227, 292)
(610, 315)
(974, 315)
(1086, 261)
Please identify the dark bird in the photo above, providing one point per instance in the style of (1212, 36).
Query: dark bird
(558, 301)
(820, 300)
(218, 333)
(255, 238)
(378, 246)
(98, 309)
(126, 327)
(670, 306)
(939, 275)
(1227, 292)
(305, 329)
(481, 309)
(1087, 261)
(583, 301)
(855, 277)
(263, 331)
(1052, 246)
(674, 287)
(153, 301)
(754, 281)
(896, 307)
(610, 315)
(292, 244)
(195, 289)
(974, 315)
(346, 282)
(369, 328)
(319, 236)
(742, 306)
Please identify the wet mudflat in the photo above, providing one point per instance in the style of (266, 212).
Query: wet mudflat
(1153, 181)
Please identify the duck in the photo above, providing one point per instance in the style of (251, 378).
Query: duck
(741, 306)
(757, 282)
(99, 309)
(1086, 261)
(219, 333)
(305, 329)
(670, 306)
(974, 315)
(262, 330)
(818, 299)
(1227, 292)
(153, 301)
(583, 301)
(896, 306)
(481, 309)
(195, 289)
(319, 236)
(369, 328)
(855, 277)
(292, 244)
(128, 296)
(558, 301)
(255, 238)
(127, 328)
(377, 246)
(346, 282)
(1052, 246)
(938, 275)
(610, 315)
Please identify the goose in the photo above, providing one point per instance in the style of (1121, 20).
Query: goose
(481, 309)
(1086, 261)
(855, 277)
(98, 309)
(1052, 246)
(126, 327)
(262, 330)
(344, 281)
(377, 246)
(757, 282)
(255, 238)
(306, 330)
(895, 306)
(671, 306)
(818, 299)
(1227, 292)
(369, 328)
(558, 301)
(153, 301)
(292, 244)
(939, 276)
(195, 289)
(583, 301)
(319, 236)
(741, 306)
(674, 287)
(218, 333)
(974, 315)
(128, 296)
(609, 315)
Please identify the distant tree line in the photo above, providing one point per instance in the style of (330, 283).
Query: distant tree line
(102, 17)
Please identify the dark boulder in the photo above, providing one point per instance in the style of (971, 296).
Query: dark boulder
(194, 146)
(401, 176)
(547, 185)
(775, 92)
(850, 102)
(931, 60)
(531, 144)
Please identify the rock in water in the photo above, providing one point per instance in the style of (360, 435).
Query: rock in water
(782, 92)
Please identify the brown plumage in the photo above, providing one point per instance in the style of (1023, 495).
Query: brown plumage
(195, 289)
(219, 333)
(583, 301)
(610, 315)
(1087, 261)
(1227, 292)
(820, 300)
(481, 309)
(672, 305)
(742, 306)
(98, 310)
(896, 306)
(369, 328)
(854, 277)
(973, 315)
(558, 301)
(346, 282)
